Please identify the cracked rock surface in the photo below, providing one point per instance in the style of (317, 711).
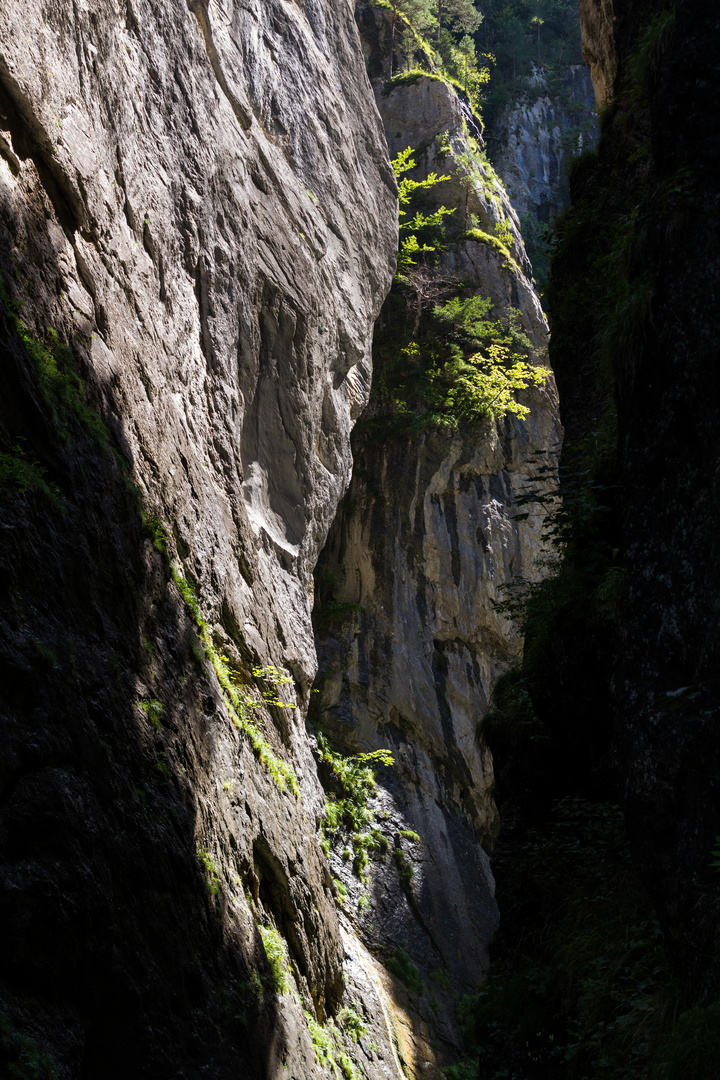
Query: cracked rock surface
(410, 643)
(197, 229)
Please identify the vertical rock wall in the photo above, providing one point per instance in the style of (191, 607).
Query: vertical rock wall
(197, 228)
(666, 689)
(642, 372)
(409, 641)
(532, 141)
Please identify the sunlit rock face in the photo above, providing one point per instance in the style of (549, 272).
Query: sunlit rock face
(197, 199)
(409, 640)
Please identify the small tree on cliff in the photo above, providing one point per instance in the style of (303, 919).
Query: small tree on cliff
(537, 22)
(466, 48)
(410, 247)
(420, 14)
(458, 15)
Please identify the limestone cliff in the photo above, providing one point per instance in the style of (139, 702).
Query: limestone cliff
(197, 229)
(532, 141)
(409, 640)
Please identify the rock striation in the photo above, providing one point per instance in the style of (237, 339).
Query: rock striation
(409, 640)
(532, 141)
(197, 229)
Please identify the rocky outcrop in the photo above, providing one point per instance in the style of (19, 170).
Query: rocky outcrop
(427, 115)
(409, 640)
(598, 20)
(197, 228)
(532, 141)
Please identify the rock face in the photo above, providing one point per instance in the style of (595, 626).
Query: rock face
(197, 228)
(531, 142)
(409, 642)
(427, 114)
(598, 20)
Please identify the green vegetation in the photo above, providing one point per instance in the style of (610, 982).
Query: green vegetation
(441, 360)
(410, 248)
(19, 471)
(340, 886)
(436, 38)
(56, 368)
(213, 878)
(350, 784)
(153, 709)
(275, 677)
(277, 958)
(521, 35)
(353, 1023)
(20, 1058)
(400, 963)
(446, 365)
(328, 1048)
(494, 242)
(404, 864)
(441, 978)
(162, 765)
(154, 529)
(489, 58)
(405, 867)
(239, 705)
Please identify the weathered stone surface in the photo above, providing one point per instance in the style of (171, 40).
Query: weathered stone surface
(598, 19)
(421, 548)
(531, 142)
(428, 116)
(197, 198)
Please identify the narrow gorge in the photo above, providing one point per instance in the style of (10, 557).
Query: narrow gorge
(358, 443)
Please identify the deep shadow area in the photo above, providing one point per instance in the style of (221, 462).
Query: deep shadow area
(116, 958)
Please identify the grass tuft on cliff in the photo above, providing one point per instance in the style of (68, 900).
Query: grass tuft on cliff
(349, 782)
(238, 703)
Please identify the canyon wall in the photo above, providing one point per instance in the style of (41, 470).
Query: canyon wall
(410, 642)
(197, 229)
(532, 141)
